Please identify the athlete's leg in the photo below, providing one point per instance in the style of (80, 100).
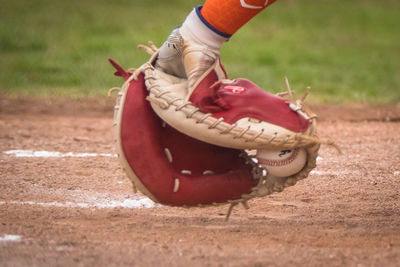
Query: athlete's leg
(228, 16)
(194, 47)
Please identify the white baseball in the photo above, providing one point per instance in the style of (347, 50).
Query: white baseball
(282, 163)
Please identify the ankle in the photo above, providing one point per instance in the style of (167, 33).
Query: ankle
(196, 29)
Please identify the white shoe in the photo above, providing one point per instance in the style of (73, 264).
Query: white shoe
(190, 50)
(197, 59)
(170, 58)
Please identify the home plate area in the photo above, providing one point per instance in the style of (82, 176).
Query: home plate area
(64, 200)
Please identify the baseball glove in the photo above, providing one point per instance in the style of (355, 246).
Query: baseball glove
(206, 145)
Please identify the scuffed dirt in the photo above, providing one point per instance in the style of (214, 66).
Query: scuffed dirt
(346, 213)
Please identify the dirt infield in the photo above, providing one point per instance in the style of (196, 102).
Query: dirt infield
(64, 200)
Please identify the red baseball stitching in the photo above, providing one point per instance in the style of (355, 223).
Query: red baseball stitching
(278, 163)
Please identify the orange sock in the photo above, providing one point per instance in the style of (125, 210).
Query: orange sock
(228, 16)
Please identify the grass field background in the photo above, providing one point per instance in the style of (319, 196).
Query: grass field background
(345, 50)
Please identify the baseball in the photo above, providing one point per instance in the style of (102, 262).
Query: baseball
(282, 163)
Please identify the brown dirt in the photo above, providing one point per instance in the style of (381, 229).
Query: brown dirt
(347, 213)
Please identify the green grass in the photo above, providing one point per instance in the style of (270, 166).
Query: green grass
(346, 51)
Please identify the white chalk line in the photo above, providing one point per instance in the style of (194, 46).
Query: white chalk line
(10, 238)
(75, 198)
(82, 199)
(53, 154)
(127, 203)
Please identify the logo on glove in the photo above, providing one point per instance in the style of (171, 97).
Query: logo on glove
(235, 89)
